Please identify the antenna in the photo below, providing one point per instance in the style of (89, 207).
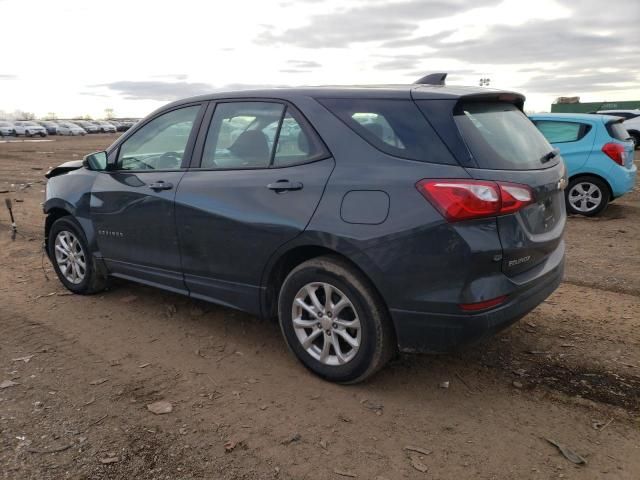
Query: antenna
(432, 79)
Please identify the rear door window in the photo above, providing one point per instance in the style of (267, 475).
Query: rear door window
(396, 127)
(259, 135)
(297, 143)
(501, 137)
(562, 132)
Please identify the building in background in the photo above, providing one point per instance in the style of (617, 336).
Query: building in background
(573, 105)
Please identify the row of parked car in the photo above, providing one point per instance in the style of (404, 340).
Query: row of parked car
(42, 128)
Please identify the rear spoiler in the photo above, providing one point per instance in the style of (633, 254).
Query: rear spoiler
(514, 98)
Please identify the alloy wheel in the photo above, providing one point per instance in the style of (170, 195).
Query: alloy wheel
(70, 257)
(585, 197)
(326, 323)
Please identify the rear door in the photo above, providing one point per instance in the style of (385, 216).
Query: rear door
(503, 145)
(259, 175)
(573, 139)
(132, 207)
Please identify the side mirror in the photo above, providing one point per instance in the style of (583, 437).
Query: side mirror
(96, 161)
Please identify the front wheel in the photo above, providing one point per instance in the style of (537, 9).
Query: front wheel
(73, 262)
(334, 321)
(587, 196)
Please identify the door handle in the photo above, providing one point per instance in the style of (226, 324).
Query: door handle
(284, 185)
(161, 185)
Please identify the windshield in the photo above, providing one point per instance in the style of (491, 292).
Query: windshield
(501, 137)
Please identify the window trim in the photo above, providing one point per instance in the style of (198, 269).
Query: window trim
(114, 150)
(584, 130)
(197, 157)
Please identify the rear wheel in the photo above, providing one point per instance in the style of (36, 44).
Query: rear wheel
(587, 196)
(73, 262)
(334, 321)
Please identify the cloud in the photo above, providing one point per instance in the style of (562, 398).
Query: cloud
(421, 41)
(173, 76)
(167, 91)
(561, 84)
(304, 64)
(400, 62)
(156, 90)
(4, 76)
(537, 42)
(377, 21)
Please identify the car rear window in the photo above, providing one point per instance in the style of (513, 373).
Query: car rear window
(396, 127)
(616, 130)
(500, 137)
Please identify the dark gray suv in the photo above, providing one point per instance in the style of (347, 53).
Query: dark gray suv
(367, 219)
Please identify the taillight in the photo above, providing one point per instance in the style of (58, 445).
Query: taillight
(467, 199)
(615, 151)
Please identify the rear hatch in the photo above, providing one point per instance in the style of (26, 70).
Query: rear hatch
(504, 146)
(617, 131)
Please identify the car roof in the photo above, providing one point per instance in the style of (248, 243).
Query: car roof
(582, 117)
(402, 91)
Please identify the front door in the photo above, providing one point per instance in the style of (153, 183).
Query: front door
(261, 176)
(132, 206)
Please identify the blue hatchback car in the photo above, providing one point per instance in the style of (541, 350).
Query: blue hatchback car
(598, 153)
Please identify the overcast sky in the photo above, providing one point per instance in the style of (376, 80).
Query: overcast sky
(78, 57)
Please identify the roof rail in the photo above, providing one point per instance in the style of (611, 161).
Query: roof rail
(432, 79)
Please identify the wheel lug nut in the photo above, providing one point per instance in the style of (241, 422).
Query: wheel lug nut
(335, 325)
(319, 325)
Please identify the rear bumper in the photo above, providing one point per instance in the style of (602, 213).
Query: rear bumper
(439, 332)
(622, 179)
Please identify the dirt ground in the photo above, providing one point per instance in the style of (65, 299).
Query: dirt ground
(85, 369)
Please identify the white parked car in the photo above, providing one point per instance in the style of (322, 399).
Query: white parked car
(631, 122)
(29, 128)
(6, 129)
(68, 128)
(105, 127)
(89, 127)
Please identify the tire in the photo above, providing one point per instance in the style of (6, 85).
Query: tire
(94, 279)
(595, 195)
(636, 140)
(27, 133)
(371, 326)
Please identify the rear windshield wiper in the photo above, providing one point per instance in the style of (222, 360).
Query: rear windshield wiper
(548, 156)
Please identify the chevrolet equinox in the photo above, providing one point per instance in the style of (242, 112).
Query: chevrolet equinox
(366, 219)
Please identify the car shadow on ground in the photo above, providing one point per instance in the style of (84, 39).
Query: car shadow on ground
(513, 358)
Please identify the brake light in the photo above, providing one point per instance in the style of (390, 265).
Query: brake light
(615, 152)
(467, 199)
